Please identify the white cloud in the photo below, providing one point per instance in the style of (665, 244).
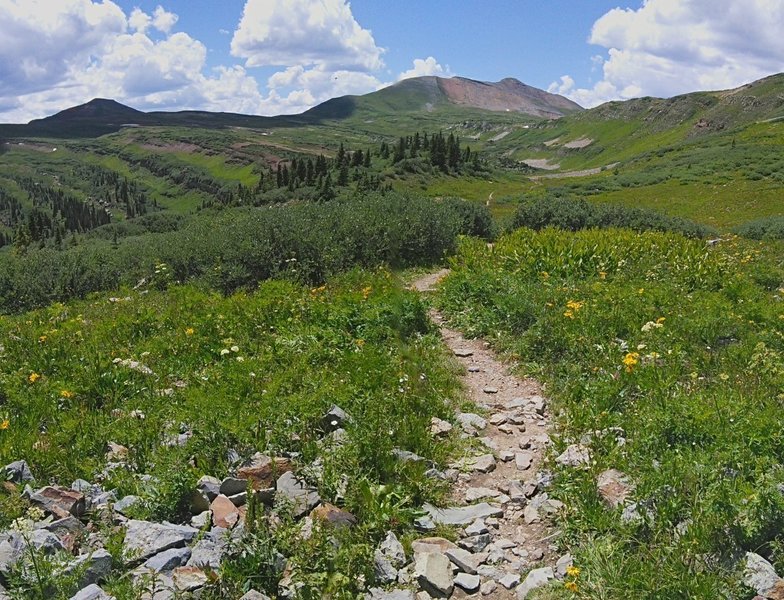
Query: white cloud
(668, 47)
(163, 20)
(427, 66)
(307, 32)
(139, 20)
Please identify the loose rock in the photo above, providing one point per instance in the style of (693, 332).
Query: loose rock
(470, 583)
(614, 487)
(484, 463)
(462, 515)
(91, 592)
(535, 579)
(302, 497)
(434, 574)
(575, 455)
(59, 501)
(144, 539)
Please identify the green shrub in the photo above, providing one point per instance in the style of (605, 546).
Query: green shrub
(574, 215)
(770, 228)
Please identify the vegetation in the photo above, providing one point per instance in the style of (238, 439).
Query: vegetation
(235, 375)
(771, 228)
(664, 357)
(238, 248)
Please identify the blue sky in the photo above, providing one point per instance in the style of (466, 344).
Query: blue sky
(283, 56)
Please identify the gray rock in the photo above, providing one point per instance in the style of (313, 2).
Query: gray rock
(12, 547)
(475, 543)
(91, 592)
(45, 541)
(523, 460)
(254, 595)
(434, 574)
(510, 580)
(535, 579)
(231, 486)
(406, 456)
(536, 404)
(202, 520)
(483, 464)
(488, 587)
(168, 560)
(298, 493)
(17, 472)
(124, 503)
(470, 583)
(575, 455)
(463, 352)
(470, 422)
(209, 550)
(614, 487)
(562, 564)
(488, 389)
(439, 427)
(62, 527)
(760, 575)
(334, 418)
(210, 486)
(473, 494)
(94, 567)
(463, 560)
(384, 569)
(462, 515)
(393, 549)
(396, 594)
(474, 369)
(144, 539)
(476, 528)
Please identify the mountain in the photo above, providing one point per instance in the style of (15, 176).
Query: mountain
(420, 95)
(430, 93)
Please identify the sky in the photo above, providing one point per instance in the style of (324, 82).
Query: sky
(271, 57)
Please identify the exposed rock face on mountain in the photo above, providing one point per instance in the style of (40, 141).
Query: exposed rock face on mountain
(506, 95)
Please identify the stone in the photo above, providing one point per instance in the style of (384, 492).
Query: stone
(488, 587)
(202, 520)
(575, 455)
(470, 583)
(298, 493)
(506, 455)
(59, 501)
(94, 567)
(531, 514)
(116, 452)
(188, 579)
(144, 539)
(168, 560)
(563, 563)
(498, 419)
(224, 513)
(91, 592)
(462, 515)
(395, 594)
(254, 595)
(515, 403)
(535, 404)
(488, 389)
(406, 456)
(124, 503)
(463, 559)
(383, 568)
(432, 544)
(507, 428)
(334, 418)
(209, 486)
(535, 579)
(239, 499)
(463, 352)
(483, 464)
(471, 422)
(393, 550)
(263, 471)
(332, 515)
(233, 485)
(209, 550)
(45, 541)
(16, 472)
(759, 575)
(476, 543)
(523, 460)
(476, 528)
(478, 493)
(439, 427)
(434, 574)
(614, 487)
(474, 369)
(510, 580)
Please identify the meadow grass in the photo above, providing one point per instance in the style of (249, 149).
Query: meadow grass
(240, 374)
(664, 356)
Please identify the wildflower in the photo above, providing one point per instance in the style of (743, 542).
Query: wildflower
(360, 343)
(544, 274)
(568, 314)
(366, 292)
(661, 320)
(42, 339)
(66, 394)
(235, 348)
(240, 359)
(651, 325)
(224, 351)
(723, 376)
(33, 377)
(571, 586)
(574, 305)
(5, 424)
(189, 331)
(602, 274)
(35, 513)
(630, 360)
(572, 571)
(641, 291)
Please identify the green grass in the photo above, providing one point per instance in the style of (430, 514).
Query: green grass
(249, 372)
(681, 347)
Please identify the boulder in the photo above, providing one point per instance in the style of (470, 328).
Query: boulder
(168, 560)
(523, 460)
(209, 486)
(535, 579)
(575, 455)
(439, 427)
(94, 567)
(144, 539)
(470, 583)
(254, 595)
(395, 594)
(760, 575)
(334, 418)
(59, 501)
(483, 464)
(431, 544)
(463, 560)
(298, 493)
(124, 503)
(16, 472)
(434, 574)
(188, 579)
(224, 513)
(209, 550)
(91, 592)
(462, 515)
(332, 515)
(471, 422)
(614, 487)
(263, 471)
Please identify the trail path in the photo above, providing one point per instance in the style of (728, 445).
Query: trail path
(516, 434)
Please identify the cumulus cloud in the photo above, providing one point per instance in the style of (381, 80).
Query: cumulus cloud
(307, 32)
(668, 47)
(427, 66)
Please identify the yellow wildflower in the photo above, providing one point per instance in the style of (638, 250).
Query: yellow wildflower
(360, 343)
(42, 339)
(569, 314)
(189, 331)
(630, 360)
(544, 274)
(661, 320)
(602, 275)
(366, 292)
(572, 571)
(5, 424)
(33, 377)
(66, 394)
(571, 586)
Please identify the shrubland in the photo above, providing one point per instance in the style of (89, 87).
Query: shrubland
(664, 358)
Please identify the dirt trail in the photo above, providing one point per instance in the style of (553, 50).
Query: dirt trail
(516, 434)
